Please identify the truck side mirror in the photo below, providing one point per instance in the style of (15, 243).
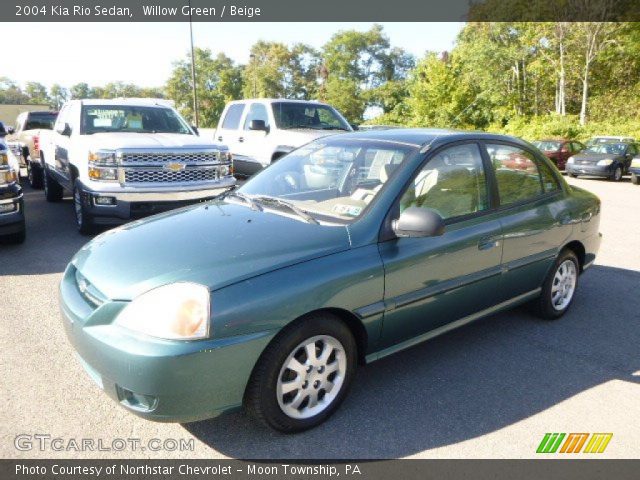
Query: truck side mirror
(65, 130)
(419, 222)
(258, 125)
(11, 130)
(195, 130)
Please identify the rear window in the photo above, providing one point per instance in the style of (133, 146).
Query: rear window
(232, 119)
(41, 121)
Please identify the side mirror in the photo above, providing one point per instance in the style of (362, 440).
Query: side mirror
(65, 130)
(419, 222)
(354, 126)
(195, 130)
(258, 125)
(11, 130)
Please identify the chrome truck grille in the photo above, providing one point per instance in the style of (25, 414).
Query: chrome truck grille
(142, 167)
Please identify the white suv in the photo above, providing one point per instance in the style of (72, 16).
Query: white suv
(259, 131)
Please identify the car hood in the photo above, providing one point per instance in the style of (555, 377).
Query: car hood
(214, 244)
(594, 157)
(115, 140)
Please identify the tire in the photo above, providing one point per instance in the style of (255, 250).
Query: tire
(15, 238)
(84, 220)
(52, 189)
(34, 175)
(617, 174)
(635, 179)
(264, 396)
(553, 303)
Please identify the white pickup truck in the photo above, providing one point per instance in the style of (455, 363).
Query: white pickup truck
(259, 131)
(128, 158)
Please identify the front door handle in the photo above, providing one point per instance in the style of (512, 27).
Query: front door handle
(220, 138)
(241, 139)
(487, 243)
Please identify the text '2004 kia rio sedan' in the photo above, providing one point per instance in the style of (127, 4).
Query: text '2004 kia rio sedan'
(346, 250)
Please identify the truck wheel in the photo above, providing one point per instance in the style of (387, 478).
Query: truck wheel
(84, 220)
(34, 174)
(635, 179)
(303, 375)
(52, 189)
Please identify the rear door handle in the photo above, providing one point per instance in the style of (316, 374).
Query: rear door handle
(241, 139)
(487, 243)
(220, 138)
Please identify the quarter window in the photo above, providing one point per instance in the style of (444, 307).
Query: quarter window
(452, 183)
(232, 118)
(517, 173)
(257, 112)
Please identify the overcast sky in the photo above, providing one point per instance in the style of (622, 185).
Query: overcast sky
(142, 53)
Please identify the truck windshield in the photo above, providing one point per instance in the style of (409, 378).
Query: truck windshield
(41, 121)
(135, 119)
(289, 115)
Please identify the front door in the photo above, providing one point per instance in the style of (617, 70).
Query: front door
(430, 282)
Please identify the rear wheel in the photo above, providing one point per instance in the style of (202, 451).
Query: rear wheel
(303, 375)
(52, 189)
(559, 287)
(34, 174)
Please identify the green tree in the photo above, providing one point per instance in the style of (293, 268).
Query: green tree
(10, 92)
(37, 93)
(80, 91)
(58, 95)
(218, 79)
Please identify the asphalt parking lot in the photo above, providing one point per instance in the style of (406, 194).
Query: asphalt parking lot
(491, 389)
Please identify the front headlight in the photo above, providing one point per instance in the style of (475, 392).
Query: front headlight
(4, 159)
(605, 163)
(7, 177)
(101, 166)
(178, 311)
(571, 160)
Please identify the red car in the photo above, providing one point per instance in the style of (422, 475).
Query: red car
(559, 151)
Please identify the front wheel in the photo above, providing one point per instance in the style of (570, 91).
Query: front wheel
(617, 174)
(635, 179)
(303, 375)
(84, 221)
(559, 287)
(52, 189)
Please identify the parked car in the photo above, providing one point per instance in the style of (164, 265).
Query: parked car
(12, 222)
(348, 249)
(26, 135)
(125, 159)
(611, 160)
(260, 131)
(559, 151)
(608, 139)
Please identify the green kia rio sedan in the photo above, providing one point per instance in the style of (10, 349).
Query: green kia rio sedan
(346, 250)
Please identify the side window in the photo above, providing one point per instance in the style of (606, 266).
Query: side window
(516, 172)
(453, 183)
(576, 147)
(233, 116)
(257, 112)
(549, 180)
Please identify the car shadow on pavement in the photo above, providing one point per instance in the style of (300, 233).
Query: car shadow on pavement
(467, 383)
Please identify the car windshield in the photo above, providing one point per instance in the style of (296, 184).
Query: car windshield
(548, 146)
(41, 120)
(330, 180)
(607, 148)
(290, 115)
(126, 118)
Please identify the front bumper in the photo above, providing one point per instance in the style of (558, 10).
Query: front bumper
(133, 204)
(179, 381)
(591, 169)
(11, 209)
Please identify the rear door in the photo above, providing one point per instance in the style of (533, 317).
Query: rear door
(533, 217)
(228, 130)
(431, 282)
(253, 142)
(61, 146)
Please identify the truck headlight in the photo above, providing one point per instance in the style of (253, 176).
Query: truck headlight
(605, 163)
(7, 177)
(103, 158)
(177, 311)
(102, 165)
(571, 160)
(4, 159)
(103, 174)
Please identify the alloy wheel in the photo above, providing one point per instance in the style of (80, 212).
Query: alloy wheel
(564, 285)
(311, 377)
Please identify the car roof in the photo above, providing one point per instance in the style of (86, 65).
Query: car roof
(276, 100)
(136, 102)
(421, 137)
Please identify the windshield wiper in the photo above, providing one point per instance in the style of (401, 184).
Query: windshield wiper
(297, 210)
(331, 127)
(245, 198)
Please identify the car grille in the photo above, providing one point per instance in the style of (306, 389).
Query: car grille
(139, 175)
(160, 158)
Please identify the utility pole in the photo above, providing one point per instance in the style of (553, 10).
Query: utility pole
(193, 73)
(255, 86)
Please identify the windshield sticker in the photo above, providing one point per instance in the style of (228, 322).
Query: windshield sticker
(350, 210)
